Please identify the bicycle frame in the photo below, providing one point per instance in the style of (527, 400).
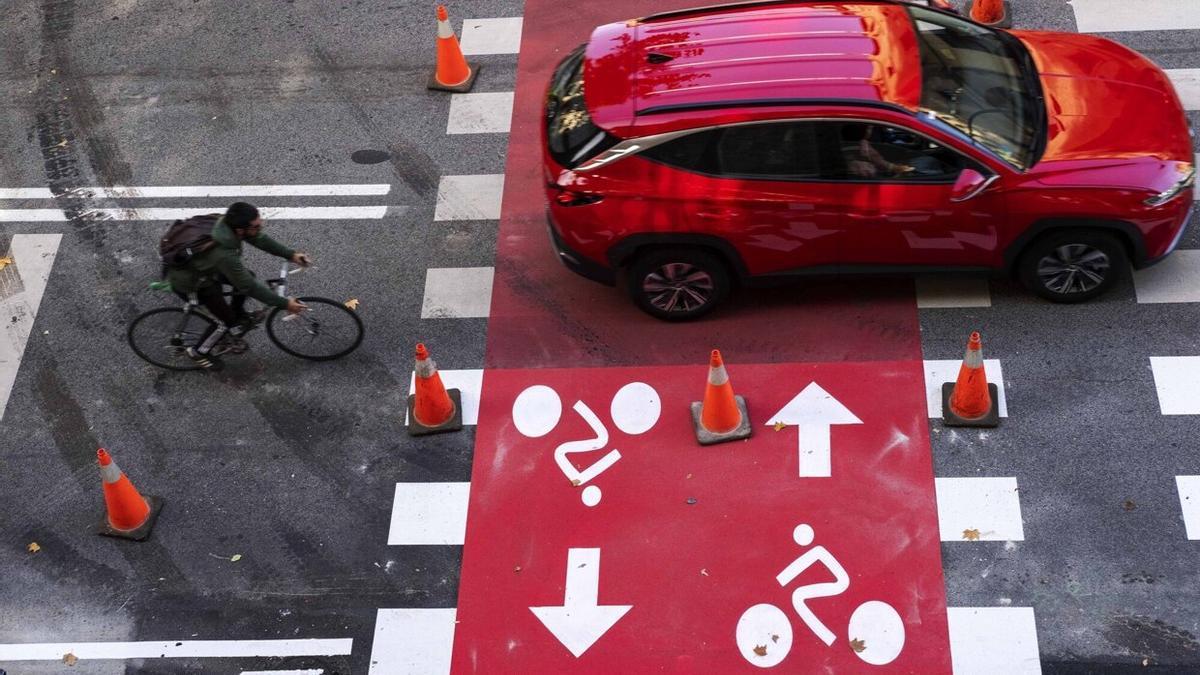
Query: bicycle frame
(279, 285)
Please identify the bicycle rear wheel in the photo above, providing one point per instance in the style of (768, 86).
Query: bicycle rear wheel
(162, 336)
(328, 330)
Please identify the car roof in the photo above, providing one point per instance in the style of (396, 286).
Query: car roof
(727, 56)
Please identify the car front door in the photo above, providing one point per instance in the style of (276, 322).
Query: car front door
(896, 189)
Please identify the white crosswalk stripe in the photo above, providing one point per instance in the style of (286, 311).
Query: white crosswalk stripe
(1110, 16)
(1187, 83)
(167, 191)
(268, 212)
(23, 279)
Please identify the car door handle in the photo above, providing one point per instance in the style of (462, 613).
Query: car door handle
(718, 214)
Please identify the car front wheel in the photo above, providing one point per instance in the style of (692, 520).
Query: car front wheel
(1072, 266)
(678, 285)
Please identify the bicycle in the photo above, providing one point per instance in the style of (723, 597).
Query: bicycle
(161, 336)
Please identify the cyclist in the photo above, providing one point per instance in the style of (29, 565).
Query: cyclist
(221, 264)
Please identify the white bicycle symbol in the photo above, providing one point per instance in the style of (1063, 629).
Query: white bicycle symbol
(635, 410)
(764, 632)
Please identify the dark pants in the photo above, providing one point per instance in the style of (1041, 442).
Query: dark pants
(230, 313)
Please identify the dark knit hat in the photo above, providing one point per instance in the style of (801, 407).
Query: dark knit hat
(240, 215)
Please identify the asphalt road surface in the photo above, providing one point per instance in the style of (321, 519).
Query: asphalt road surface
(302, 522)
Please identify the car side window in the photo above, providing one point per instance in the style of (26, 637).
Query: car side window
(879, 153)
(771, 151)
(686, 152)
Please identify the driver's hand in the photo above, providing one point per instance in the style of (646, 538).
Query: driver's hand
(301, 259)
(294, 306)
(901, 169)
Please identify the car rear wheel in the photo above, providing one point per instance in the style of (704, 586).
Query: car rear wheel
(678, 285)
(1072, 266)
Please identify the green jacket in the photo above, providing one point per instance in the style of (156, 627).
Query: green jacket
(226, 259)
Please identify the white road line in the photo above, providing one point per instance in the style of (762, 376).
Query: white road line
(1189, 504)
(491, 36)
(271, 213)
(469, 197)
(308, 671)
(1187, 83)
(946, 292)
(54, 651)
(469, 382)
(1176, 279)
(429, 514)
(993, 641)
(22, 284)
(26, 193)
(1113, 16)
(1177, 382)
(163, 191)
(484, 113)
(413, 642)
(937, 372)
(457, 292)
(991, 506)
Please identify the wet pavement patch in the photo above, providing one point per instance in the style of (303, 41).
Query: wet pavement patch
(369, 156)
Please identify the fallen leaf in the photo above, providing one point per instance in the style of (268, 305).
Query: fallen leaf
(575, 482)
(779, 426)
(70, 659)
(5, 262)
(351, 304)
(704, 571)
(1145, 662)
(858, 646)
(33, 547)
(62, 144)
(971, 535)
(1130, 505)
(761, 650)
(54, 71)
(517, 568)
(236, 557)
(774, 638)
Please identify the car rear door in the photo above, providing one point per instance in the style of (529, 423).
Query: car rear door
(758, 187)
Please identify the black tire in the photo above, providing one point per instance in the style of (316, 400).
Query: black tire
(1072, 265)
(153, 337)
(677, 285)
(299, 335)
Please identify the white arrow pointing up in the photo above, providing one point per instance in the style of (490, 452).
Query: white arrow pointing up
(814, 410)
(580, 621)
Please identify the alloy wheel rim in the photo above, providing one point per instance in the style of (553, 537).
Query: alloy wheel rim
(1073, 268)
(678, 287)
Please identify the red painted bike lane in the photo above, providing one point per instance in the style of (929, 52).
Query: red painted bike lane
(666, 556)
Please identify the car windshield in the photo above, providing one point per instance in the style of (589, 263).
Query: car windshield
(570, 133)
(982, 82)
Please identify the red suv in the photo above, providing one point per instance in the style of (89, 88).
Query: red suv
(689, 151)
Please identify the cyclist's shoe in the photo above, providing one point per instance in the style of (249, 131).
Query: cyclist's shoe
(230, 344)
(205, 361)
(250, 320)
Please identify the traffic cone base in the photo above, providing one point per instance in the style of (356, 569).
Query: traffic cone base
(1005, 20)
(461, 87)
(139, 533)
(454, 423)
(991, 418)
(706, 437)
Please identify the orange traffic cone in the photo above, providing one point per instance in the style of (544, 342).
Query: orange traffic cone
(722, 416)
(971, 401)
(994, 13)
(453, 72)
(130, 515)
(432, 408)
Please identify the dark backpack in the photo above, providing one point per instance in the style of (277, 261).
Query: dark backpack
(186, 239)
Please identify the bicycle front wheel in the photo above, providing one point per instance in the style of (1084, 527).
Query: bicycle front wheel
(162, 336)
(327, 330)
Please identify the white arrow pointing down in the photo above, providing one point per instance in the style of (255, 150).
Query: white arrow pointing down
(814, 410)
(581, 620)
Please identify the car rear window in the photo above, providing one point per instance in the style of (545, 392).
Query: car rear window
(571, 136)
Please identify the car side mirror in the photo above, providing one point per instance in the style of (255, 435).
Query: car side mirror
(969, 183)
